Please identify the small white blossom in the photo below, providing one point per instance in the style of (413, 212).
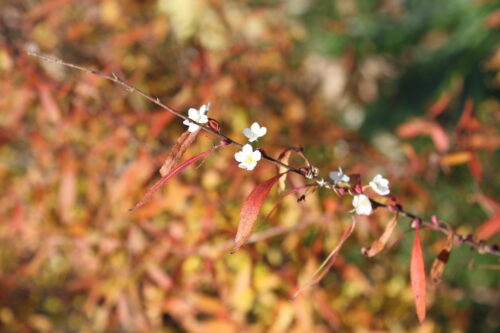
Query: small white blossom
(198, 116)
(362, 204)
(339, 176)
(247, 157)
(254, 132)
(380, 185)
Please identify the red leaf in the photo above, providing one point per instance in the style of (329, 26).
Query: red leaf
(172, 173)
(440, 105)
(493, 20)
(417, 274)
(250, 210)
(475, 167)
(419, 127)
(180, 147)
(467, 122)
(490, 227)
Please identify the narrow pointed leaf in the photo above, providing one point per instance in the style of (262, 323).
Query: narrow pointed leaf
(442, 258)
(180, 147)
(329, 261)
(250, 210)
(475, 167)
(417, 274)
(380, 243)
(172, 173)
(490, 227)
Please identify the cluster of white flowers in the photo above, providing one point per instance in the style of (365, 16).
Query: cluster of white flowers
(361, 202)
(198, 115)
(248, 157)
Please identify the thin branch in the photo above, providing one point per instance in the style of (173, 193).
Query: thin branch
(114, 78)
(310, 172)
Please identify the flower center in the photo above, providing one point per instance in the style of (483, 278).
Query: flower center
(249, 159)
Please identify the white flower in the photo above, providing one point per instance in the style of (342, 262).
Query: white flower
(247, 157)
(362, 204)
(339, 176)
(380, 185)
(254, 132)
(198, 116)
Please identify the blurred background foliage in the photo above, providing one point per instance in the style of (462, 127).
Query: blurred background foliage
(408, 89)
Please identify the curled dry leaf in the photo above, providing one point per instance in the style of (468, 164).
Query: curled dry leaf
(172, 173)
(379, 244)
(284, 157)
(417, 275)
(251, 208)
(328, 262)
(180, 147)
(442, 258)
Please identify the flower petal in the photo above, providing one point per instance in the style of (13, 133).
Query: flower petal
(247, 149)
(247, 132)
(239, 156)
(251, 166)
(203, 119)
(192, 113)
(193, 127)
(362, 204)
(204, 108)
(334, 175)
(256, 155)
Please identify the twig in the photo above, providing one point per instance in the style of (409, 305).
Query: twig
(308, 173)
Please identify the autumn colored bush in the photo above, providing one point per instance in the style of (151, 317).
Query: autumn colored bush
(405, 90)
